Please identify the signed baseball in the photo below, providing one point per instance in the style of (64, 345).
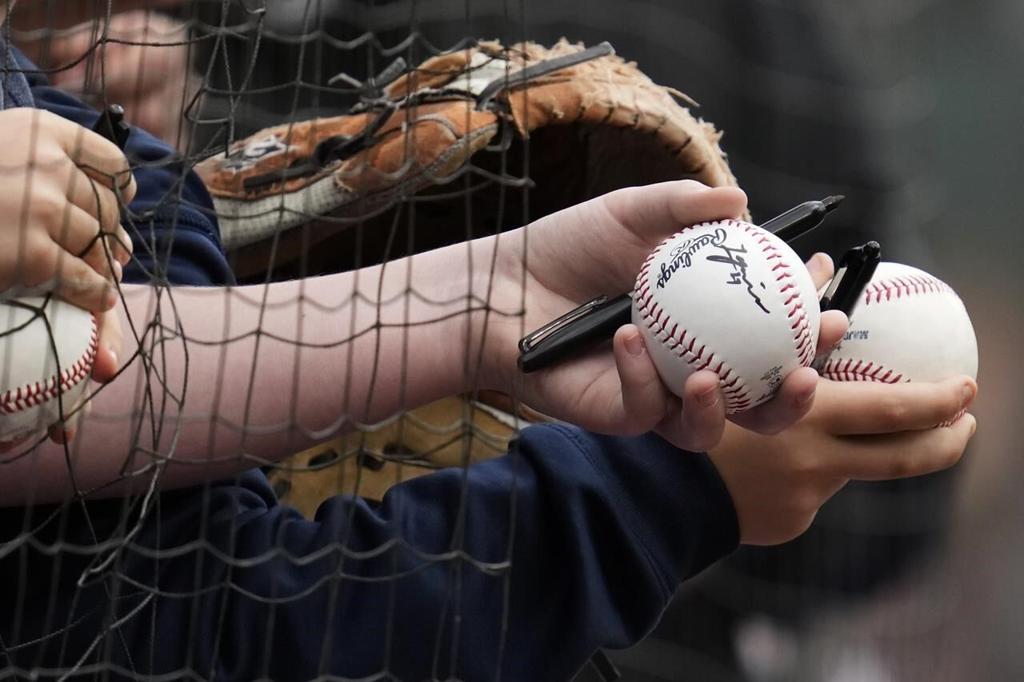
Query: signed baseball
(34, 381)
(729, 297)
(907, 326)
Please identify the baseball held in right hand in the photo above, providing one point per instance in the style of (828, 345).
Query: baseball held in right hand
(62, 230)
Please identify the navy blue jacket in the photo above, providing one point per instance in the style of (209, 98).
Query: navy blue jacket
(524, 564)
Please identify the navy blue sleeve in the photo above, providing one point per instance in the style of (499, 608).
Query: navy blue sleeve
(525, 564)
(171, 221)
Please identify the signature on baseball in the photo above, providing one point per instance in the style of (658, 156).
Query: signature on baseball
(739, 270)
(682, 257)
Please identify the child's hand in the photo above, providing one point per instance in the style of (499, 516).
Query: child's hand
(597, 248)
(858, 431)
(60, 228)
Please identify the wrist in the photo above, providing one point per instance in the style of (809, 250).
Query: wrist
(496, 322)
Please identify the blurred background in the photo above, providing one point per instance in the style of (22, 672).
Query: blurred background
(911, 108)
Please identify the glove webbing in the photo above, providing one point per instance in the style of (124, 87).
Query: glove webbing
(341, 147)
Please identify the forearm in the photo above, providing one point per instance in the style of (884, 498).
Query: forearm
(225, 379)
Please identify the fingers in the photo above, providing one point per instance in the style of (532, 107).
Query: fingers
(793, 401)
(698, 427)
(98, 157)
(821, 268)
(95, 198)
(78, 234)
(78, 283)
(695, 424)
(906, 454)
(46, 266)
(656, 211)
(831, 329)
(854, 408)
(644, 398)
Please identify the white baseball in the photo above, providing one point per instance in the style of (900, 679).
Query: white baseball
(729, 297)
(35, 383)
(907, 326)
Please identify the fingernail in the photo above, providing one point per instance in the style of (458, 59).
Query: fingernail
(805, 398)
(974, 426)
(113, 357)
(708, 398)
(118, 270)
(634, 344)
(966, 394)
(816, 264)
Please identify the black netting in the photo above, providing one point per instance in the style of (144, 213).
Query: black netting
(275, 378)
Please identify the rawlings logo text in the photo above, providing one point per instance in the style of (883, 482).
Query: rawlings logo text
(682, 255)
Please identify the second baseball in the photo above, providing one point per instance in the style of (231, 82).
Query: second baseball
(729, 297)
(907, 326)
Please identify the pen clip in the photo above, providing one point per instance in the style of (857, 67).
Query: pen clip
(855, 268)
(535, 338)
(842, 271)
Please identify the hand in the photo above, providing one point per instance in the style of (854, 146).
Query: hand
(855, 431)
(66, 234)
(62, 229)
(597, 248)
(142, 65)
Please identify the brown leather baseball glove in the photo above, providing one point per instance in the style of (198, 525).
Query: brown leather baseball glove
(593, 123)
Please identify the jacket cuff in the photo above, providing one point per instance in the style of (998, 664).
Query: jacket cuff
(674, 502)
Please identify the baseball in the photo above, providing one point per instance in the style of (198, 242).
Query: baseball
(729, 297)
(907, 326)
(34, 382)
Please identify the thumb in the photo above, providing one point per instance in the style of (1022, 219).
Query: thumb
(108, 353)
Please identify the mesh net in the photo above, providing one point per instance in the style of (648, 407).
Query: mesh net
(121, 573)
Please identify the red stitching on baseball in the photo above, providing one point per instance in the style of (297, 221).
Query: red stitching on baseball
(802, 341)
(849, 369)
(904, 286)
(31, 395)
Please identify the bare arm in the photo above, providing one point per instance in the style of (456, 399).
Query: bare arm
(232, 378)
